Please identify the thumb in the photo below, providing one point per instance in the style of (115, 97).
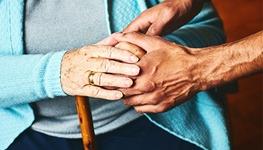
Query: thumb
(140, 24)
(110, 40)
(156, 28)
(148, 43)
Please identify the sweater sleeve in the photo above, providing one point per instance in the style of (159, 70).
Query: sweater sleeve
(28, 78)
(203, 30)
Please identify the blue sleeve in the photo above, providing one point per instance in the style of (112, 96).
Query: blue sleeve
(24, 78)
(28, 78)
(203, 30)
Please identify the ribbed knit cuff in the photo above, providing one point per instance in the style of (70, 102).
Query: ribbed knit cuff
(52, 75)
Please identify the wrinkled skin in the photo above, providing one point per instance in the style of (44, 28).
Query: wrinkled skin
(166, 78)
(171, 73)
(111, 65)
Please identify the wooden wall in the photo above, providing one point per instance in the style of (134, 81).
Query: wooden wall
(242, 18)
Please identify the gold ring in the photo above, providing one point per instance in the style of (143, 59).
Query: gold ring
(90, 77)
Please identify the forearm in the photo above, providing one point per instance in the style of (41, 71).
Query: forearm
(231, 61)
(28, 78)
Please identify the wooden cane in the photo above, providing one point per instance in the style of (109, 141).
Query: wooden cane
(83, 109)
(86, 123)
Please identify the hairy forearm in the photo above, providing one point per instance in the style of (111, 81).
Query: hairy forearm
(230, 61)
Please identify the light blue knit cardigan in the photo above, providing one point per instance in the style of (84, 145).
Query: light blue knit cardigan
(27, 78)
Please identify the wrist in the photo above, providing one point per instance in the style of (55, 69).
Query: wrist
(52, 76)
(218, 65)
(209, 67)
(194, 64)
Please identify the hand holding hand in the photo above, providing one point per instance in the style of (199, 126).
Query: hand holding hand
(104, 66)
(168, 76)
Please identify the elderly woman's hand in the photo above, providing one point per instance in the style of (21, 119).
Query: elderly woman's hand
(87, 70)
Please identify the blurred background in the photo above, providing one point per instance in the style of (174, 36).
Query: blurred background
(242, 18)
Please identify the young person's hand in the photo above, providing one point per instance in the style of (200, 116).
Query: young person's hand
(169, 74)
(165, 17)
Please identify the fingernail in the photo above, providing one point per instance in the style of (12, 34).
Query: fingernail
(134, 59)
(135, 70)
(118, 95)
(128, 82)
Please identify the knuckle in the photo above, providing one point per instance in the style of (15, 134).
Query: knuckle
(154, 101)
(98, 79)
(85, 50)
(94, 92)
(149, 86)
(108, 51)
(105, 65)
